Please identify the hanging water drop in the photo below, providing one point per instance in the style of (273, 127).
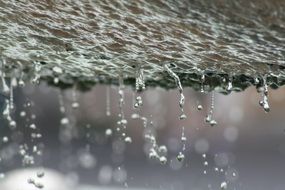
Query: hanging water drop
(140, 86)
(180, 89)
(230, 84)
(202, 83)
(37, 70)
(108, 111)
(209, 119)
(264, 102)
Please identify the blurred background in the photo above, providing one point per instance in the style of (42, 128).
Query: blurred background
(246, 149)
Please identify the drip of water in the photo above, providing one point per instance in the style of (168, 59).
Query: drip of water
(202, 83)
(140, 86)
(264, 102)
(209, 119)
(108, 110)
(37, 70)
(230, 84)
(5, 88)
(61, 102)
(180, 157)
(224, 185)
(178, 83)
(75, 103)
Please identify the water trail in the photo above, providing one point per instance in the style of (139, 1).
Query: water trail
(178, 83)
(181, 156)
(140, 86)
(264, 102)
(122, 120)
(157, 152)
(205, 163)
(108, 110)
(209, 119)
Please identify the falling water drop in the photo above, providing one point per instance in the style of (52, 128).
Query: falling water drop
(224, 185)
(180, 157)
(75, 103)
(128, 140)
(162, 149)
(108, 132)
(200, 107)
(163, 160)
(122, 121)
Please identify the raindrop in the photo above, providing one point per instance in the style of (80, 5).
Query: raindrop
(180, 157)
(5, 139)
(108, 132)
(199, 107)
(128, 140)
(163, 160)
(224, 185)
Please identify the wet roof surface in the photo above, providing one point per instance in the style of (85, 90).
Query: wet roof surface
(96, 41)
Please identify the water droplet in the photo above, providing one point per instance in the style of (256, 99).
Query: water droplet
(224, 185)
(108, 132)
(199, 107)
(40, 174)
(64, 121)
(163, 160)
(162, 149)
(128, 140)
(57, 70)
(180, 157)
(5, 139)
